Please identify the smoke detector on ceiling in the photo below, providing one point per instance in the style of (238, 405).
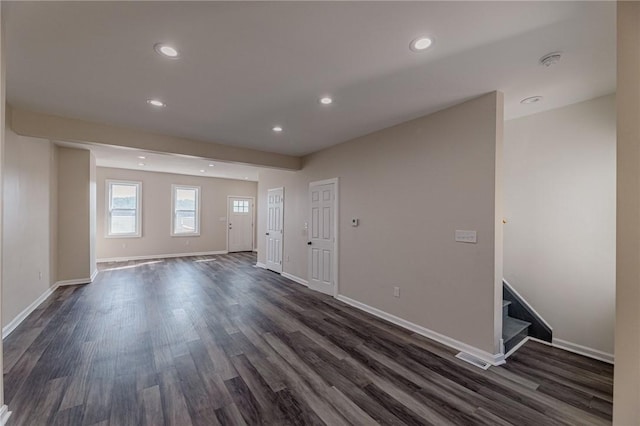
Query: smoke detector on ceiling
(550, 59)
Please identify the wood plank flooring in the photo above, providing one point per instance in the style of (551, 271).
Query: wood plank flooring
(216, 341)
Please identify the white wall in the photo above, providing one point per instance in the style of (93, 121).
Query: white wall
(28, 230)
(156, 214)
(411, 186)
(560, 206)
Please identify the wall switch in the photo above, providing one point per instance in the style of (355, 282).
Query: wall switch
(287, 258)
(355, 221)
(188, 242)
(396, 292)
(39, 275)
(466, 236)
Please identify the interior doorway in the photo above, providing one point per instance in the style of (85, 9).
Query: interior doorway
(322, 237)
(275, 222)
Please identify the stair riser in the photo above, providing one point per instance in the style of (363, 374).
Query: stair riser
(505, 311)
(511, 343)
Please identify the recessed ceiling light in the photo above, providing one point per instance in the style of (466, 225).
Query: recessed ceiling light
(166, 50)
(201, 171)
(420, 44)
(246, 177)
(531, 100)
(142, 157)
(211, 165)
(140, 164)
(550, 59)
(326, 100)
(156, 103)
(277, 129)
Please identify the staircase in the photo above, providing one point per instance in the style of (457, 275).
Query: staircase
(513, 329)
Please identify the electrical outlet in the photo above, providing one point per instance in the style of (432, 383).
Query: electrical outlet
(124, 245)
(287, 258)
(188, 242)
(396, 292)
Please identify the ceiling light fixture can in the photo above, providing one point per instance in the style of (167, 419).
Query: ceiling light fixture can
(166, 50)
(277, 129)
(421, 43)
(550, 59)
(531, 100)
(326, 100)
(156, 103)
(140, 164)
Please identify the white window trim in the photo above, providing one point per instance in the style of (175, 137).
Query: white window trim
(107, 226)
(174, 189)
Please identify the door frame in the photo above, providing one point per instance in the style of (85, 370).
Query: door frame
(336, 228)
(253, 219)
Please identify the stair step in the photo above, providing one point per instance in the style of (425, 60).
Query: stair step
(505, 308)
(511, 327)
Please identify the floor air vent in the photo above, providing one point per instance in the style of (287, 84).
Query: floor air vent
(473, 360)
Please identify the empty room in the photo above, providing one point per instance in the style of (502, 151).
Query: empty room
(323, 213)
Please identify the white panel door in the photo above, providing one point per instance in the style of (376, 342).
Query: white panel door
(240, 216)
(322, 238)
(275, 206)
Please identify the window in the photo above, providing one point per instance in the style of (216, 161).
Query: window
(186, 210)
(241, 206)
(123, 204)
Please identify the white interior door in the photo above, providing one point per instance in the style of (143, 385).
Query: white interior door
(275, 206)
(322, 238)
(240, 216)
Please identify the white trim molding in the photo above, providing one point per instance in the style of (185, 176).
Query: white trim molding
(295, 279)
(14, 323)
(524, 302)
(77, 281)
(260, 265)
(4, 414)
(583, 350)
(493, 359)
(569, 347)
(160, 256)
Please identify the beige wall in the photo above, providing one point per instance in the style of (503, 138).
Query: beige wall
(156, 214)
(74, 214)
(560, 205)
(28, 234)
(626, 392)
(411, 186)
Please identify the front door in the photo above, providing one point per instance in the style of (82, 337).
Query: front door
(240, 224)
(275, 209)
(321, 239)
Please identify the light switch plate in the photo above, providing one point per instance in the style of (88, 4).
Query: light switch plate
(466, 236)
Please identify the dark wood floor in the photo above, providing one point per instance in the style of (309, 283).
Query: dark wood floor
(208, 341)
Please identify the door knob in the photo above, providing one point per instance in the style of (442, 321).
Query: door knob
(309, 243)
(266, 233)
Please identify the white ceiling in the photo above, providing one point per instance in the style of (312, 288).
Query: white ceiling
(123, 158)
(245, 67)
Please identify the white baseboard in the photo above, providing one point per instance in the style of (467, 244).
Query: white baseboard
(4, 414)
(77, 281)
(493, 359)
(7, 329)
(160, 256)
(583, 350)
(569, 347)
(260, 265)
(296, 279)
(255, 250)
(94, 275)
